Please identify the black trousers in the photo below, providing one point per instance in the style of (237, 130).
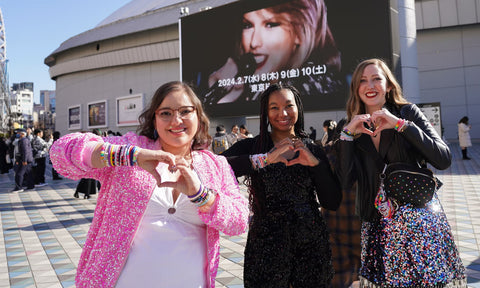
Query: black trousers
(39, 170)
(55, 174)
(23, 172)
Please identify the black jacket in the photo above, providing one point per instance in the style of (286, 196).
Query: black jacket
(360, 161)
(25, 150)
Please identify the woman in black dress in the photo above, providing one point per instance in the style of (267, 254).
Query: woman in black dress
(289, 178)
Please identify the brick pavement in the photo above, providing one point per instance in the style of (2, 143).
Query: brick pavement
(43, 230)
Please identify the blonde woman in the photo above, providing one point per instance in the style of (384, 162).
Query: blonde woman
(414, 247)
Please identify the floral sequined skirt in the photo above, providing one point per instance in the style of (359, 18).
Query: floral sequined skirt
(415, 248)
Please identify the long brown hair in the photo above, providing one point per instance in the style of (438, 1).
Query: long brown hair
(201, 140)
(355, 105)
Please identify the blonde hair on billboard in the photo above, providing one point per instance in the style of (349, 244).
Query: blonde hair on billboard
(308, 19)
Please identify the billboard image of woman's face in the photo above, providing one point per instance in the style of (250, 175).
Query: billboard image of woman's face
(270, 38)
(231, 56)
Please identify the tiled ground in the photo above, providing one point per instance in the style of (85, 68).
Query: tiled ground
(42, 231)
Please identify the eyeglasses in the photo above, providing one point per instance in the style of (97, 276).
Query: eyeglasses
(184, 112)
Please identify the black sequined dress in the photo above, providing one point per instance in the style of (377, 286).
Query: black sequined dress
(287, 241)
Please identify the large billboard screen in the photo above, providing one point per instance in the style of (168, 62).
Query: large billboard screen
(232, 53)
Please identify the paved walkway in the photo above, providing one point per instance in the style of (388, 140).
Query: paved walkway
(43, 230)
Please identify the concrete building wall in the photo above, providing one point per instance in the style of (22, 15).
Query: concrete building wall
(449, 73)
(108, 84)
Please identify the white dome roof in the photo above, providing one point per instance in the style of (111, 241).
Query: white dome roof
(133, 17)
(137, 7)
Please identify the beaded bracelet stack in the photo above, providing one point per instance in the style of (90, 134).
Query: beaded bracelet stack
(346, 135)
(401, 125)
(119, 155)
(202, 197)
(259, 161)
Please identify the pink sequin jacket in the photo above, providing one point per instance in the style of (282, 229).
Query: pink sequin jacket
(123, 198)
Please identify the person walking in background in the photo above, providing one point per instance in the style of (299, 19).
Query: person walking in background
(329, 127)
(23, 162)
(40, 150)
(220, 141)
(244, 134)
(313, 133)
(233, 135)
(3, 155)
(287, 244)
(88, 186)
(464, 136)
(164, 198)
(29, 134)
(403, 245)
(55, 175)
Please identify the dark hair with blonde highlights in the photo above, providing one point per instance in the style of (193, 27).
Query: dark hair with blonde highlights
(201, 140)
(355, 105)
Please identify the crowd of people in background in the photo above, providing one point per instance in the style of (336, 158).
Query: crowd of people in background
(223, 140)
(26, 151)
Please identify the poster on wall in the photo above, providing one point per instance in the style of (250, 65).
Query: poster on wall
(251, 44)
(432, 112)
(128, 109)
(97, 114)
(74, 117)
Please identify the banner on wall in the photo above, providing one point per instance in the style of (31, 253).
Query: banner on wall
(433, 113)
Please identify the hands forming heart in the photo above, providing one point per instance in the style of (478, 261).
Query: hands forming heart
(291, 152)
(185, 178)
(372, 124)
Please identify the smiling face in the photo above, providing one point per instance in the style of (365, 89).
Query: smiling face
(282, 112)
(176, 134)
(372, 88)
(270, 38)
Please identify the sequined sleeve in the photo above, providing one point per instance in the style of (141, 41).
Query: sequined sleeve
(67, 153)
(229, 214)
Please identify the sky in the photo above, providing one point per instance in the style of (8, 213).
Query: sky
(36, 28)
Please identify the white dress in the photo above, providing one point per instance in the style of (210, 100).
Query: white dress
(170, 246)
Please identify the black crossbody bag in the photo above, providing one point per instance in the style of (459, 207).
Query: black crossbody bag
(408, 183)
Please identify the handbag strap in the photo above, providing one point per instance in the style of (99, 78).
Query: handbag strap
(383, 175)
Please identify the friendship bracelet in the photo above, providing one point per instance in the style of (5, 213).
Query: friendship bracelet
(399, 124)
(203, 198)
(348, 133)
(344, 136)
(196, 194)
(200, 197)
(119, 155)
(404, 126)
(259, 161)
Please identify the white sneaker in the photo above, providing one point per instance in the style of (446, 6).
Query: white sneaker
(40, 184)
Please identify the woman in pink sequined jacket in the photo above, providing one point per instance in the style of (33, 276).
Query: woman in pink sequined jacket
(164, 198)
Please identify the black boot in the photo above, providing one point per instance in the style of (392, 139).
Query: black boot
(464, 153)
